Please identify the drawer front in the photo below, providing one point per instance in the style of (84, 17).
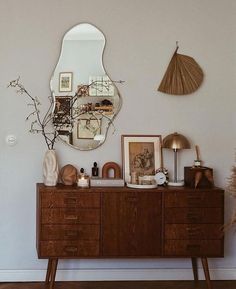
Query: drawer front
(70, 216)
(193, 248)
(194, 215)
(194, 199)
(60, 249)
(70, 232)
(197, 231)
(70, 200)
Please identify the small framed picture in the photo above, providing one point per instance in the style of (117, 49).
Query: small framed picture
(62, 109)
(140, 154)
(88, 128)
(65, 81)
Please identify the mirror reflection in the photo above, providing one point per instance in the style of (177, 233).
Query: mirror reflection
(86, 99)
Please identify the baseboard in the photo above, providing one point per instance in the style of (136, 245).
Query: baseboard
(114, 275)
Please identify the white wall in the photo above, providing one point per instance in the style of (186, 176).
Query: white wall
(141, 38)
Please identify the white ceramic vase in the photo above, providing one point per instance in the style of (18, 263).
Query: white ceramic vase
(50, 168)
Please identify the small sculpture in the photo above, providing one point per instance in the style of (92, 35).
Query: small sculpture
(95, 170)
(68, 175)
(111, 166)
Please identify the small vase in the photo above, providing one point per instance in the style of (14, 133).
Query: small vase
(50, 168)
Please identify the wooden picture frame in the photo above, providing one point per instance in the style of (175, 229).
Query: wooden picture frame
(88, 128)
(140, 154)
(65, 81)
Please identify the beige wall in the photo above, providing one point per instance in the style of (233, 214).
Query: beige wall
(141, 38)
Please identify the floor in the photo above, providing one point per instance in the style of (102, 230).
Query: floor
(123, 285)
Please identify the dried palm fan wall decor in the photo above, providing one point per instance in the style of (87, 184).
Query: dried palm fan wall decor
(183, 75)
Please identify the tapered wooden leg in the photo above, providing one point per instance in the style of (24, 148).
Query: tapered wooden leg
(206, 272)
(194, 266)
(53, 273)
(49, 269)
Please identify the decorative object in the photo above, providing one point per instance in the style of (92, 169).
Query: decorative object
(84, 104)
(134, 178)
(197, 162)
(138, 186)
(62, 111)
(111, 166)
(95, 170)
(146, 180)
(83, 90)
(88, 128)
(176, 141)
(83, 179)
(65, 81)
(183, 75)
(162, 176)
(101, 86)
(50, 168)
(101, 182)
(140, 154)
(68, 175)
(198, 177)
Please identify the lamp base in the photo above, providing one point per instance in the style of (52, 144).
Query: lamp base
(176, 184)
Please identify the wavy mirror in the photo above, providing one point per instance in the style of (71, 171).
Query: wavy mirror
(86, 99)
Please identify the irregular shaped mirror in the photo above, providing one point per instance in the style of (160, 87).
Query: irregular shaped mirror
(86, 99)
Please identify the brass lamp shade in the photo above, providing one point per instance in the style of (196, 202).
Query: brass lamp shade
(175, 141)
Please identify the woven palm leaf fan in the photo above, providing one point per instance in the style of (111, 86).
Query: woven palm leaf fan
(183, 75)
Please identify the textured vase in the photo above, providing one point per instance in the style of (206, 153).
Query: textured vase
(50, 168)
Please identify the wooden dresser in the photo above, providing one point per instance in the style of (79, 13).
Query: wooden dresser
(120, 222)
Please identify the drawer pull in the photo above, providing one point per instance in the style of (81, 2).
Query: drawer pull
(71, 217)
(71, 249)
(70, 201)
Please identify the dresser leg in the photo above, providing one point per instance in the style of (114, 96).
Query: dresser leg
(53, 273)
(194, 266)
(49, 269)
(206, 272)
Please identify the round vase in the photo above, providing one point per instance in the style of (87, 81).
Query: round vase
(50, 168)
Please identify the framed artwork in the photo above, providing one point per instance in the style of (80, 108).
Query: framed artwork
(65, 81)
(88, 128)
(140, 154)
(62, 109)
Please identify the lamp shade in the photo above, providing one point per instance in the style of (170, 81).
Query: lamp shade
(175, 141)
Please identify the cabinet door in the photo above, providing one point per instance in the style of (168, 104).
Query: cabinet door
(131, 224)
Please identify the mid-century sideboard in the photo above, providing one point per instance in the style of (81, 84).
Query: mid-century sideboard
(109, 222)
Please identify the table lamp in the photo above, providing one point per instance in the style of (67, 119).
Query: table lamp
(175, 141)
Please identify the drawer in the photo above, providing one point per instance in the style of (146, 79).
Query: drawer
(70, 216)
(60, 249)
(70, 232)
(195, 198)
(70, 200)
(194, 215)
(196, 231)
(193, 248)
